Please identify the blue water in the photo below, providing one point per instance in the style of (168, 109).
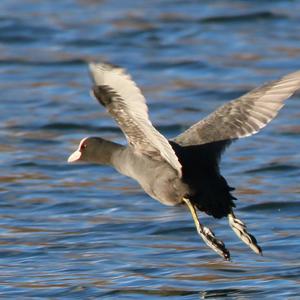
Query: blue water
(86, 232)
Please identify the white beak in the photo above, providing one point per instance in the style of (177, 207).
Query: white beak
(75, 156)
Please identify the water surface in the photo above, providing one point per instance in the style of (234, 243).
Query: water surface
(86, 232)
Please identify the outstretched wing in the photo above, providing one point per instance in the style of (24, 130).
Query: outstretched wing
(115, 90)
(244, 116)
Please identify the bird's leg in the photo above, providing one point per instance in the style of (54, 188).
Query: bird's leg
(240, 230)
(206, 234)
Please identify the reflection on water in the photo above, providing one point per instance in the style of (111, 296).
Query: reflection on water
(84, 231)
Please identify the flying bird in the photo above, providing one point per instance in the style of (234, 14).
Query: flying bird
(183, 170)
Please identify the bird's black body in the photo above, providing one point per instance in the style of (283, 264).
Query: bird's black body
(209, 190)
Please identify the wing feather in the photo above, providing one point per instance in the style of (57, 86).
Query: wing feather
(243, 116)
(115, 90)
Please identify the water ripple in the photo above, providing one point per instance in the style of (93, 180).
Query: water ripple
(84, 231)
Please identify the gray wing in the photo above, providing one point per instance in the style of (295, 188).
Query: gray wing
(115, 90)
(244, 116)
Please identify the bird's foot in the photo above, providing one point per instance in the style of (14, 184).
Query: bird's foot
(240, 230)
(206, 234)
(217, 245)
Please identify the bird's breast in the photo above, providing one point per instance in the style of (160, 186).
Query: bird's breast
(157, 178)
(163, 184)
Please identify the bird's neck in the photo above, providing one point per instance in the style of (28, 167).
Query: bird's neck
(109, 151)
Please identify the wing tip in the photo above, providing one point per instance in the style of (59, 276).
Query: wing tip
(103, 66)
(293, 74)
(99, 71)
(91, 65)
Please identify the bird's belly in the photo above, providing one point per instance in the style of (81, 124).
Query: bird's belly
(168, 191)
(157, 178)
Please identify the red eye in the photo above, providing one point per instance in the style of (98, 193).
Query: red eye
(83, 146)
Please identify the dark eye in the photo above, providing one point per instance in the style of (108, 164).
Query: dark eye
(83, 146)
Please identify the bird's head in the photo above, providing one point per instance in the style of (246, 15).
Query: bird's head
(91, 149)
